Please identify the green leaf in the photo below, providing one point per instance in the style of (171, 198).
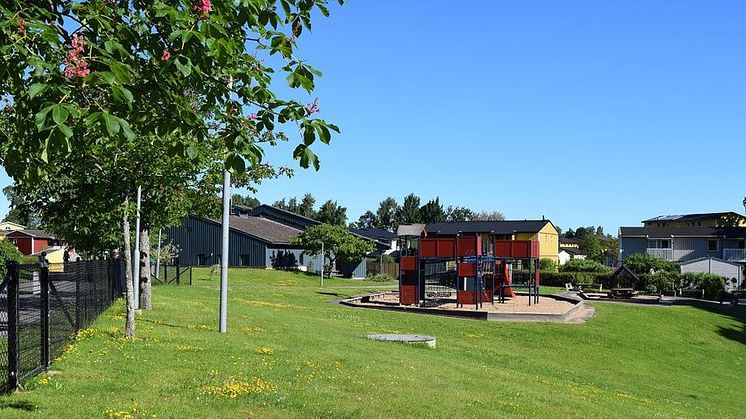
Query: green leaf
(65, 130)
(122, 94)
(106, 76)
(192, 152)
(235, 162)
(59, 114)
(185, 69)
(41, 117)
(35, 89)
(126, 129)
(112, 124)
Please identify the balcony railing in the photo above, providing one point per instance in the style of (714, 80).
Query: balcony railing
(666, 254)
(734, 255)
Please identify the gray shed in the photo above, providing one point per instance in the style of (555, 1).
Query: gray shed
(733, 272)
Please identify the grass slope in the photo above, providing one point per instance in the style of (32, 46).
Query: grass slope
(289, 352)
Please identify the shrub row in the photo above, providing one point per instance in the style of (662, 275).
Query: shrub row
(713, 285)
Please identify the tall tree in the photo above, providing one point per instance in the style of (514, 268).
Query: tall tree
(367, 220)
(432, 211)
(305, 207)
(386, 214)
(89, 85)
(337, 242)
(488, 216)
(248, 200)
(19, 213)
(332, 213)
(409, 212)
(459, 214)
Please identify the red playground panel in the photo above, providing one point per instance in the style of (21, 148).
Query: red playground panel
(517, 249)
(408, 263)
(468, 297)
(438, 247)
(408, 295)
(470, 246)
(467, 269)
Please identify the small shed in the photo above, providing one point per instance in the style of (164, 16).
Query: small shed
(623, 277)
(732, 272)
(31, 241)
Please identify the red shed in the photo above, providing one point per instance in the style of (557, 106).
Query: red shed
(30, 241)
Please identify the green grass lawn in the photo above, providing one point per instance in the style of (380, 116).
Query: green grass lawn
(290, 352)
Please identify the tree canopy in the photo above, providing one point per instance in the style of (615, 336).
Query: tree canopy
(338, 243)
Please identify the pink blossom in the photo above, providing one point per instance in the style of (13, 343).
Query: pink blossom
(166, 55)
(75, 65)
(252, 116)
(203, 7)
(312, 109)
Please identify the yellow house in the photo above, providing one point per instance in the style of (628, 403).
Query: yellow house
(710, 219)
(9, 227)
(547, 237)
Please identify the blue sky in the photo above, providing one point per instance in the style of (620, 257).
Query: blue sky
(586, 112)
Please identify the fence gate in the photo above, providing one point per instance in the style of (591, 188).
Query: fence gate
(42, 309)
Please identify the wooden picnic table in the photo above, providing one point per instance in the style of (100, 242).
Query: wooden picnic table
(622, 291)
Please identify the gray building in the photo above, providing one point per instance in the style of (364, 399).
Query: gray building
(710, 242)
(682, 244)
(732, 272)
(260, 237)
(254, 242)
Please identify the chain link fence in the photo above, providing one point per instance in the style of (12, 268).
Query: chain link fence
(42, 308)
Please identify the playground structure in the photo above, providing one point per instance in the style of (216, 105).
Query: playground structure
(468, 268)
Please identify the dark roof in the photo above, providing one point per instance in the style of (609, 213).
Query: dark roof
(569, 240)
(692, 217)
(494, 227)
(572, 250)
(265, 229)
(664, 232)
(374, 233)
(37, 234)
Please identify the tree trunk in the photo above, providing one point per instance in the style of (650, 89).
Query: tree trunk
(129, 323)
(145, 294)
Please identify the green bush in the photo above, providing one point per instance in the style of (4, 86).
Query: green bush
(387, 258)
(547, 265)
(651, 289)
(662, 281)
(644, 263)
(559, 279)
(379, 278)
(8, 252)
(713, 285)
(584, 265)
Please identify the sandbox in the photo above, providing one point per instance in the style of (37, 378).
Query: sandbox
(552, 308)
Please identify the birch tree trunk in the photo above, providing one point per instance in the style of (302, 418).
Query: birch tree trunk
(146, 302)
(129, 323)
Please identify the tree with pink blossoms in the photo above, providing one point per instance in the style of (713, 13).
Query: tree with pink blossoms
(102, 95)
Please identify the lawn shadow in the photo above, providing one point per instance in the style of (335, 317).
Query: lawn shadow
(18, 405)
(737, 313)
(333, 294)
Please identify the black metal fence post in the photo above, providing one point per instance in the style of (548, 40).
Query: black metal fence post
(77, 299)
(12, 326)
(190, 275)
(44, 280)
(178, 274)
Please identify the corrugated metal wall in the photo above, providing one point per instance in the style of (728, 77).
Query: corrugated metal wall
(198, 236)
